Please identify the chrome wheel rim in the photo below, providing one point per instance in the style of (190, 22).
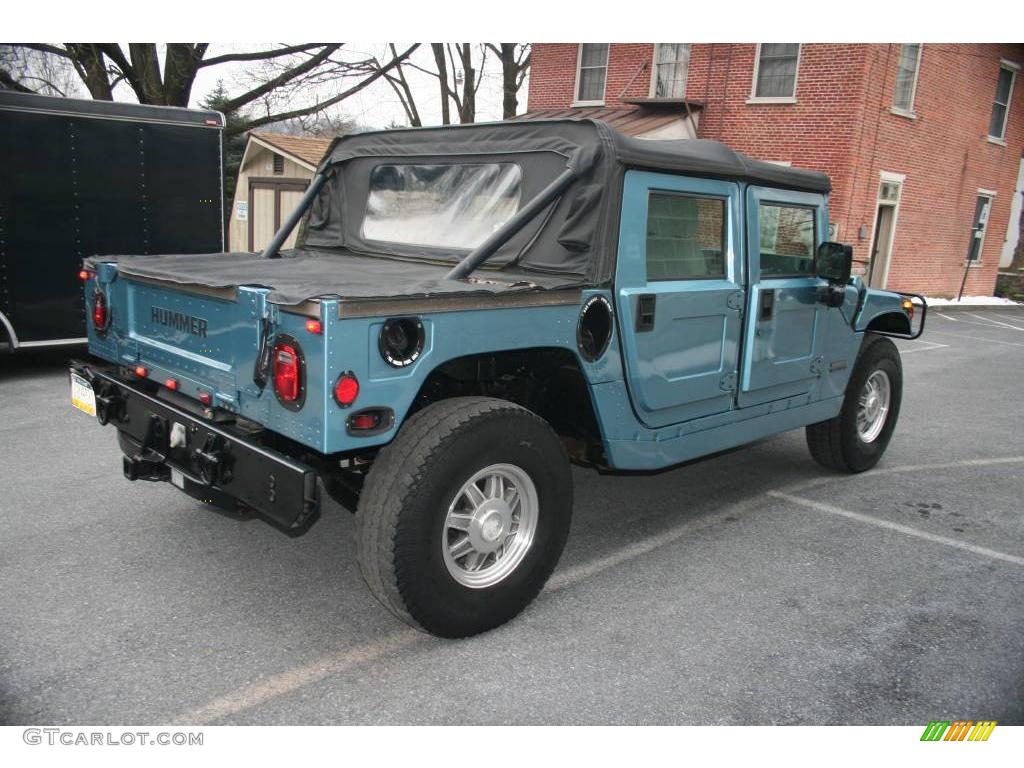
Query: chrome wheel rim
(873, 407)
(490, 526)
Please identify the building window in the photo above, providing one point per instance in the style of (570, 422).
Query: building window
(278, 165)
(906, 78)
(786, 234)
(593, 70)
(1001, 105)
(775, 71)
(685, 237)
(671, 66)
(981, 211)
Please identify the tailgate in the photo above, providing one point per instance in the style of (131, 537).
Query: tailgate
(210, 339)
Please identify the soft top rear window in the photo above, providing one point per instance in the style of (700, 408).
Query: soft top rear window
(452, 206)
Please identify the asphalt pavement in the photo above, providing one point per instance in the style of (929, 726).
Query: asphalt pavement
(751, 588)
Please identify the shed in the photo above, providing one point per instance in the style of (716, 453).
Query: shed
(276, 169)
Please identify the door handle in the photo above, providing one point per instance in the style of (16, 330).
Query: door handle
(645, 304)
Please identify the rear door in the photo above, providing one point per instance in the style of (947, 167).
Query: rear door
(784, 320)
(679, 278)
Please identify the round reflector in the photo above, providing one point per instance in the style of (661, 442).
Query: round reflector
(346, 390)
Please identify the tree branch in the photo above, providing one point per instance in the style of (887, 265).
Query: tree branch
(8, 82)
(258, 55)
(268, 119)
(289, 74)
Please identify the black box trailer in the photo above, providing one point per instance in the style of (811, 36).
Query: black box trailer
(80, 178)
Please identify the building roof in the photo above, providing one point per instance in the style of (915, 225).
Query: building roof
(308, 149)
(631, 121)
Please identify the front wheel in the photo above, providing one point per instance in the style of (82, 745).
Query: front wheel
(464, 515)
(855, 440)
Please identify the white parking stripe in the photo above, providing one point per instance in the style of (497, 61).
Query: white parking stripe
(947, 317)
(977, 338)
(905, 529)
(299, 677)
(997, 323)
(931, 345)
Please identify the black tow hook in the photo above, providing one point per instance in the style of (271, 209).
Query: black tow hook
(109, 403)
(146, 466)
(212, 461)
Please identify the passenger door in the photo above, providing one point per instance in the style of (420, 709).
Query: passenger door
(784, 319)
(679, 300)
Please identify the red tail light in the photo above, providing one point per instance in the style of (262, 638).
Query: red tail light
(100, 316)
(287, 368)
(346, 390)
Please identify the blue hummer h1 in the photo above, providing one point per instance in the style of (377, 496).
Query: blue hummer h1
(468, 311)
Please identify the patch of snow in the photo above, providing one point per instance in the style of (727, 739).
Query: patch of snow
(972, 301)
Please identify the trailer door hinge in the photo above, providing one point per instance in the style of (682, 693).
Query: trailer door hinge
(728, 382)
(735, 300)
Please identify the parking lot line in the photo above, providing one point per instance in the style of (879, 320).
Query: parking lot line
(905, 529)
(932, 345)
(293, 679)
(977, 338)
(993, 321)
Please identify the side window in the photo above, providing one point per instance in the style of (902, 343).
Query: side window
(685, 237)
(787, 240)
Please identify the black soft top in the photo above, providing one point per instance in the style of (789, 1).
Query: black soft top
(578, 234)
(699, 157)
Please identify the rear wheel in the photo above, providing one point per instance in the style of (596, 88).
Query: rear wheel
(855, 440)
(464, 515)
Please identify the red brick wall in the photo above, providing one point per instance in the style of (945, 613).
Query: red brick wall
(841, 124)
(553, 74)
(946, 158)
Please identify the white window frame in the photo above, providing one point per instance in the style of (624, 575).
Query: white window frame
(908, 111)
(576, 85)
(755, 99)
(1013, 68)
(654, 72)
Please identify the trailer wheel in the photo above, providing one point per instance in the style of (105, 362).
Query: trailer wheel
(464, 515)
(855, 440)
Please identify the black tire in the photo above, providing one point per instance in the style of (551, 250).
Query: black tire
(400, 523)
(836, 444)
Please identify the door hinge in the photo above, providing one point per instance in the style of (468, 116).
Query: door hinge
(728, 382)
(818, 365)
(735, 300)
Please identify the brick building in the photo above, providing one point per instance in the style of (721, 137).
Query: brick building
(923, 142)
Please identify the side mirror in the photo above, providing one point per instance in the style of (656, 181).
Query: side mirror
(835, 262)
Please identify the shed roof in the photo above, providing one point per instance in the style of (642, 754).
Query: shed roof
(308, 149)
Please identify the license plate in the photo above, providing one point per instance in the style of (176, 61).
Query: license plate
(178, 478)
(82, 396)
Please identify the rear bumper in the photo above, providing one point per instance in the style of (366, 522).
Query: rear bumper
(165, 442)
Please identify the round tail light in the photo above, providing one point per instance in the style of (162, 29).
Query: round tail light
(346, 390)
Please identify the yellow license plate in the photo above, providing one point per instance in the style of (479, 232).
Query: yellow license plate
(82, 396)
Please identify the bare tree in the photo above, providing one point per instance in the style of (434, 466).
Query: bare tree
(23, 69)
(515, 64)
(458, 77)
(400, 85)
(285, 68)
